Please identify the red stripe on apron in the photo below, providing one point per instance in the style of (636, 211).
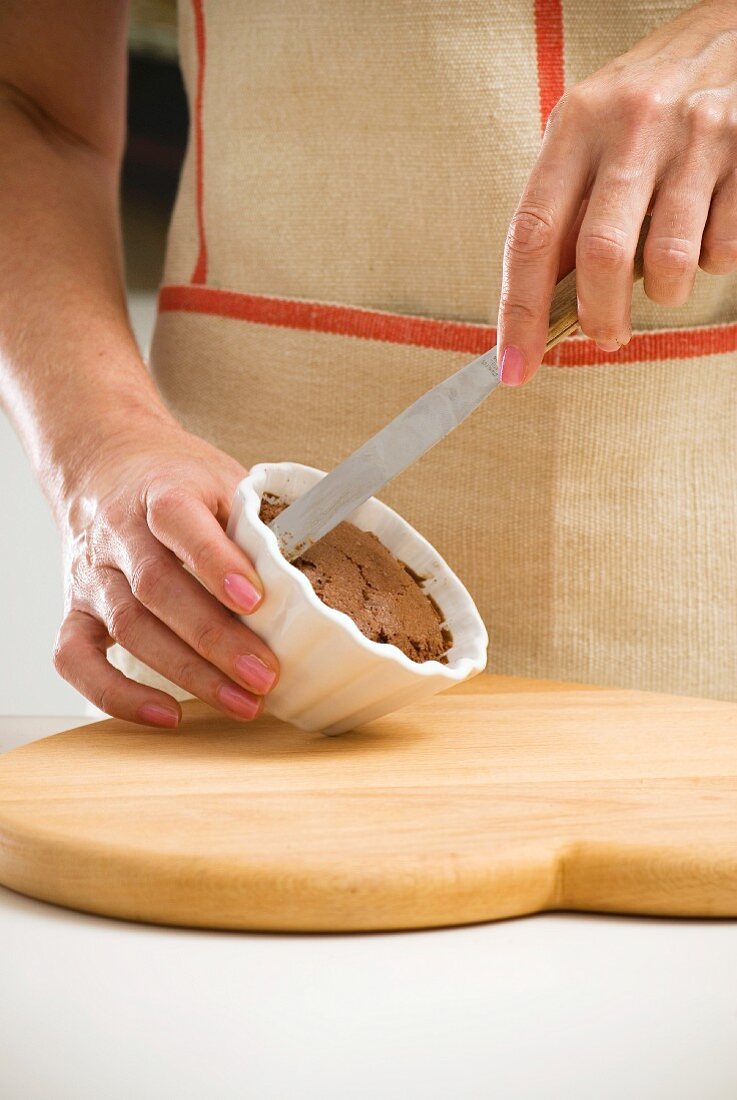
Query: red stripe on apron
(199, 275)
(428, 332)
(549, 43)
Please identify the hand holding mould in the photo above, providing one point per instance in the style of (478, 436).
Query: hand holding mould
(152, 500)
(654, 130)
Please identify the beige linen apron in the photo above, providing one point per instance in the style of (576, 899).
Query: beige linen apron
(336, 249)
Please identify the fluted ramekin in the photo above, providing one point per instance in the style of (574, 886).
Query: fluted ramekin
(333, 678)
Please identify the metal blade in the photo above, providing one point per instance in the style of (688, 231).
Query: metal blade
(385, 455)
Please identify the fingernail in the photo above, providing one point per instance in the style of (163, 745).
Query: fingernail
(241, 592)
(512, 370)
(156, 715)
(256, 674)
(240, 702)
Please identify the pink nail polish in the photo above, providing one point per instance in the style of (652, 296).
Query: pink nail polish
(156, 715)
(512, 370)
(240, 702)
(241, 592)
(259, 677)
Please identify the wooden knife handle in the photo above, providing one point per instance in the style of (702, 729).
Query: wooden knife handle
(564, 307)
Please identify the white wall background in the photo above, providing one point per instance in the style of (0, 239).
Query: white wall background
(30, 574)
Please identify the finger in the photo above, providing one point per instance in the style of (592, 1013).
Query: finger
(145, 637)
(184, 524)
(719, 244)
(80, 657)
(532, 254)
(674, 239)
(160, 584)
(568, 246)
(605, 253)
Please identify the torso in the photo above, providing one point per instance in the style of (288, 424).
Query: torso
(349, 182)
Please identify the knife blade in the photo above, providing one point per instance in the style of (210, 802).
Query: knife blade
(403, 440)
(413, 432)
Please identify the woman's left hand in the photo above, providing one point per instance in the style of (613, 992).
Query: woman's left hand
(654, 130)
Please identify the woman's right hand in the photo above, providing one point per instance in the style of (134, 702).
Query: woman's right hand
(137, 499)
(149, 501)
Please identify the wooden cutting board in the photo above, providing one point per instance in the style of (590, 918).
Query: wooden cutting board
(499, 798)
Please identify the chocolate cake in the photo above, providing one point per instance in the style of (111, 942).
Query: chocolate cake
(353, 572)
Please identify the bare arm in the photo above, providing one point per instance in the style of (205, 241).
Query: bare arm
(65, 341)
(133, 494)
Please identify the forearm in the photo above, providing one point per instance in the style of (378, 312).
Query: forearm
(70, 371)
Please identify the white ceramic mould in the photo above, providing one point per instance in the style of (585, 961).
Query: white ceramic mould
(333, 678)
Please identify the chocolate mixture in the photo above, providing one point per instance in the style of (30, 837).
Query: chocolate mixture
(353, 572)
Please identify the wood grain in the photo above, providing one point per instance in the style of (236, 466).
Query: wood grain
(499, 798)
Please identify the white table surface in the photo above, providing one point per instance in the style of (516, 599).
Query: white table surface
(558, 1006)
